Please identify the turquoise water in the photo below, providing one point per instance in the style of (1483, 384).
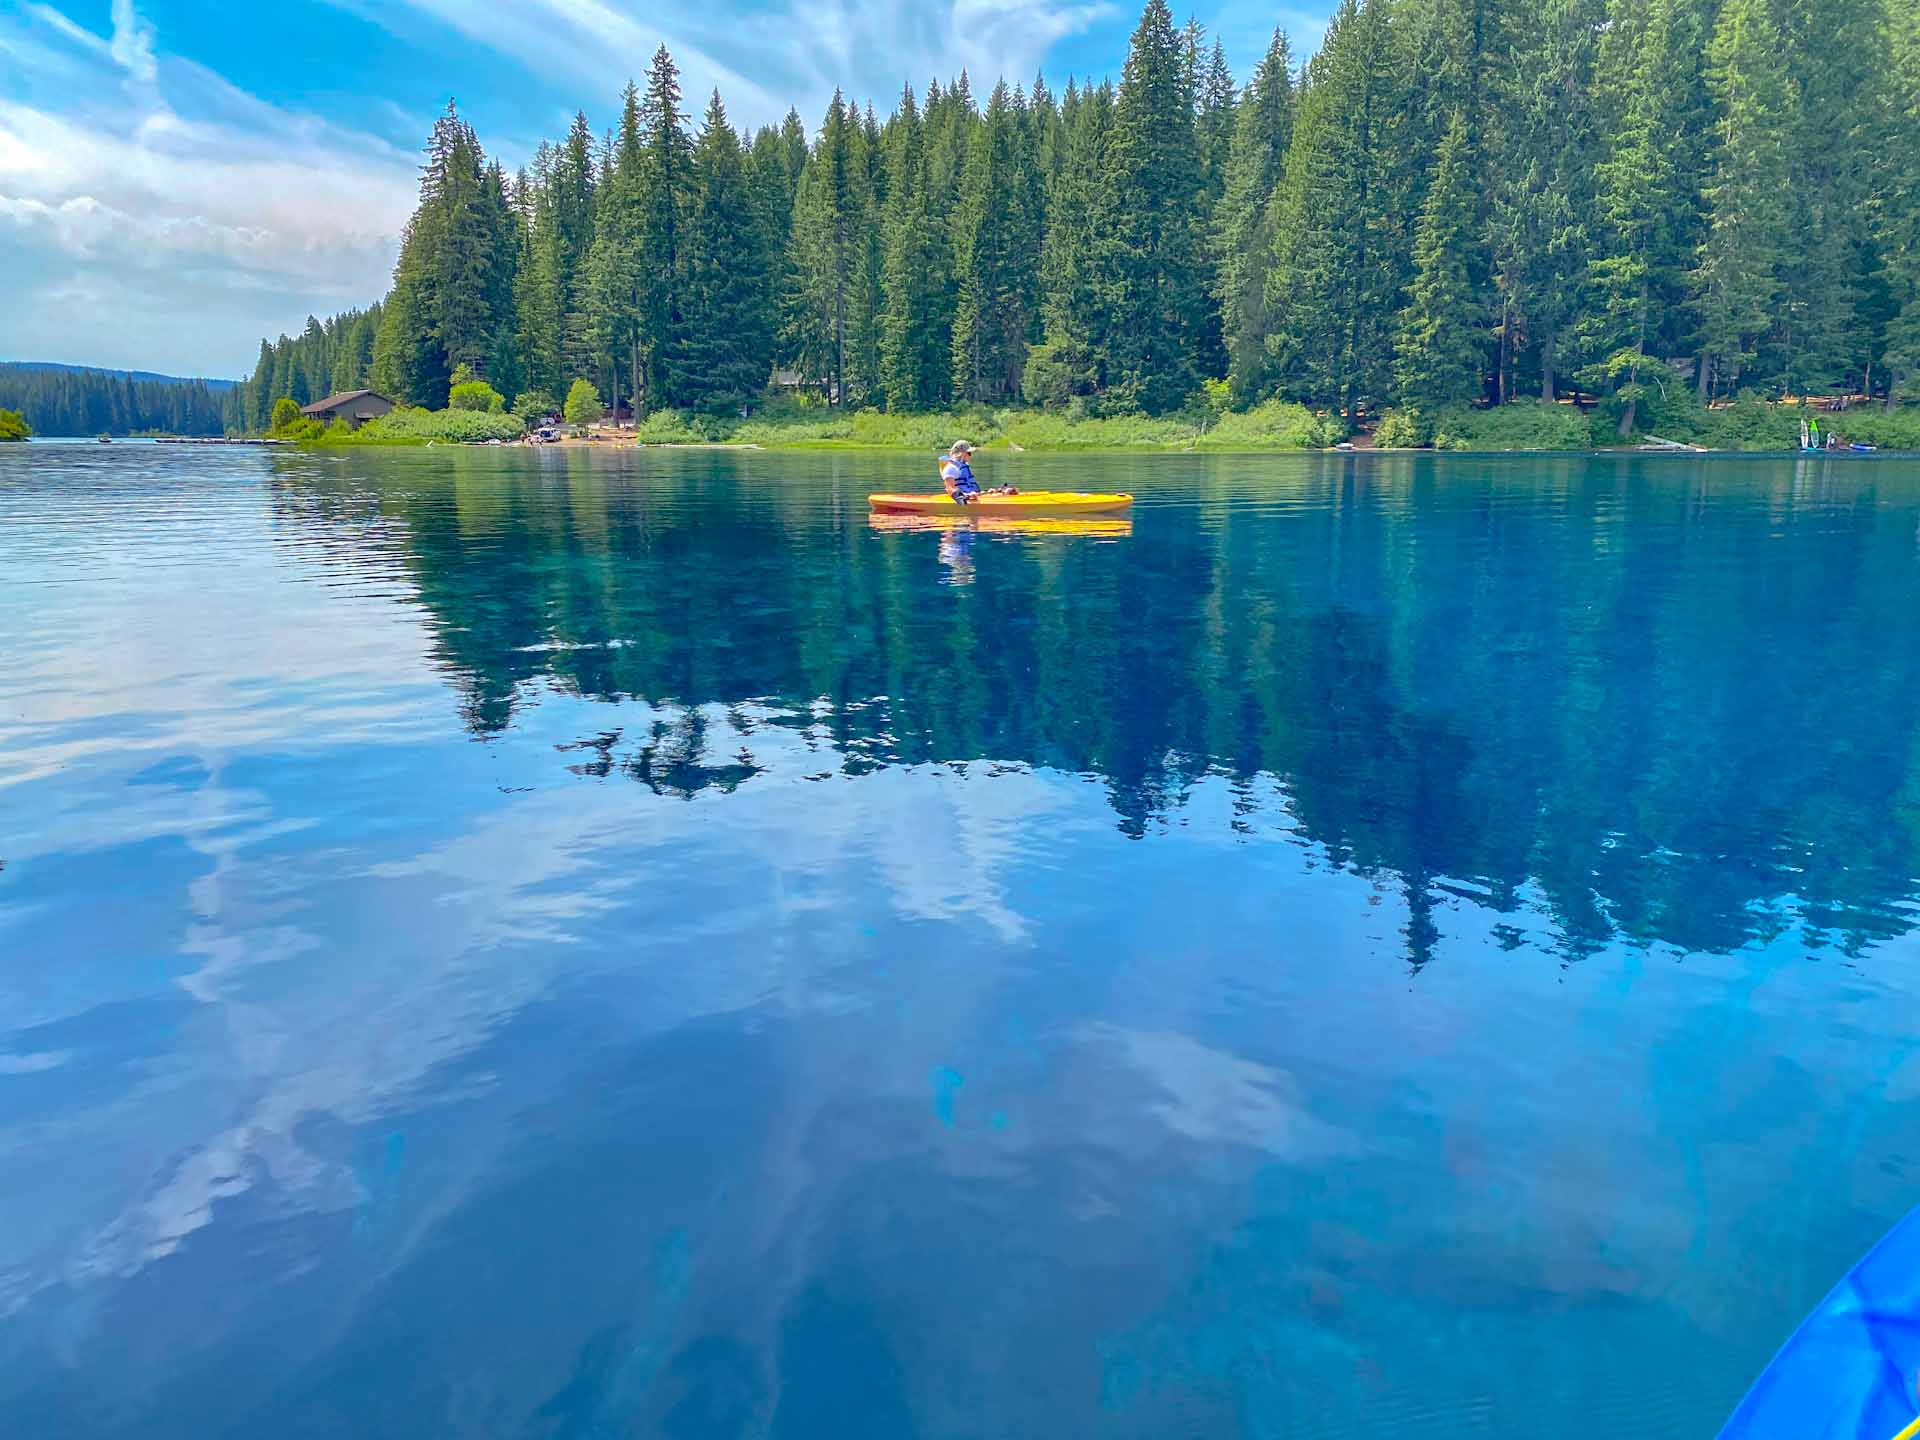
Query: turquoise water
(500, 944)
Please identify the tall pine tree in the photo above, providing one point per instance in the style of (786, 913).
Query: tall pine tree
(1641, 270)
(1333, 290)
(1263, 128)
(1542, 215)
(1162, 301)
(827, 251)
(666, 192)
(1738, 278)
(1900, 212)
(996, 251)
(1439, 349)
(618, 266)
(728, 326)
(916, 361)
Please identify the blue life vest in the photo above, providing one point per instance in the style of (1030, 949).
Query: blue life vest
(965, 484)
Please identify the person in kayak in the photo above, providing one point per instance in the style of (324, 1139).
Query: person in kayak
(956, 475)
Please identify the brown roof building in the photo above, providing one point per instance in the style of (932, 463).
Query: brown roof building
(356, 407)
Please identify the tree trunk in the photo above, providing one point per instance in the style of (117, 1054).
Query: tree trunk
(839, 397)
(1633, 375)
(1500, 369)
(1706, 371)
(1546, 367)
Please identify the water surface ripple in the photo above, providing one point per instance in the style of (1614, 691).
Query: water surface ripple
(551, 945)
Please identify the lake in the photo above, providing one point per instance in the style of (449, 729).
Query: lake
(576, 944)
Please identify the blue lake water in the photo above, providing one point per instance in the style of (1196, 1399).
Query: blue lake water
(564, 945)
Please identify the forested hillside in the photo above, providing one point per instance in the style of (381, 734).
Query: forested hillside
(1453, 201)
(65, 400)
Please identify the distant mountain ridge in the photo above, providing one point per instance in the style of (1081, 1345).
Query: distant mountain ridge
(208, 381)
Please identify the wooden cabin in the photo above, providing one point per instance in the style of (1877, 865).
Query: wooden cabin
(356, 407)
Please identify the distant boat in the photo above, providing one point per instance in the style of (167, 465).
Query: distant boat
(106, 439)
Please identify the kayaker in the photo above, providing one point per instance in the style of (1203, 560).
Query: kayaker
(956, 474)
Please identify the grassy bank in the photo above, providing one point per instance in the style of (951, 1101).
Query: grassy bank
(416, 427)
(1275, 425)
(1747, 424)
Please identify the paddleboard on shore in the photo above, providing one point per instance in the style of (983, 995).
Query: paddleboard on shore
(1027, 502)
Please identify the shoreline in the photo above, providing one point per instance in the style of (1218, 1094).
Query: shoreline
(998, 448)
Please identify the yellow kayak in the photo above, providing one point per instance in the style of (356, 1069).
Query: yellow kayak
(1097, 525)
(1028, 502)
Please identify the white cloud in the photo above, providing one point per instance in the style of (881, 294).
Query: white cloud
(150, 236)
(78, 34)
(593, 41)
(132, 43)
(871, 47)
(795, 54)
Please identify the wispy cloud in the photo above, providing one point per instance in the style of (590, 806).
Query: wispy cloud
(77, 34)
(592, 42)
(871, 47)
(144, 234)
(764, 60)
(132, 43)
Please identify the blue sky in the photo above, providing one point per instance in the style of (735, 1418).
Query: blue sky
(179, 177)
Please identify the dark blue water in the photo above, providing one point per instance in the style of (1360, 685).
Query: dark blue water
(575, 945)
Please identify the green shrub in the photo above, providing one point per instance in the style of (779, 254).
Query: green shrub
(929, 432)
(1401, 430)
(476, 395)
(533, 406)
(1749, 423)
(13, 426)
(583, 403)
(1517, 425)
(860, 429)
(287, 423)
(403, 426)
(1274, 425)
(806, 425)
(1048, 430)
(683, 427)
(1673, 410)
(1896, 429)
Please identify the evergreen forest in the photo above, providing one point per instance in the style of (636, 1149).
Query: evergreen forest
(67, 400)
(1451, 203)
